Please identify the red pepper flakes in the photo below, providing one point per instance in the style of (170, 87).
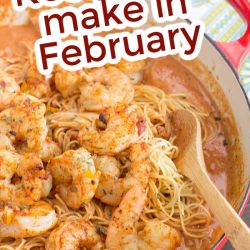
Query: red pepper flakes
(3, 84)
(141, 124)
(144, 145)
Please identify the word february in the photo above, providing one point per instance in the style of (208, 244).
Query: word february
(84, 22)
(95, 51)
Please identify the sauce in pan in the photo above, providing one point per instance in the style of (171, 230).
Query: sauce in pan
(170, 75)
(13, 37)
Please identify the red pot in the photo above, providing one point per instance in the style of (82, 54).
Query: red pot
(224, 60)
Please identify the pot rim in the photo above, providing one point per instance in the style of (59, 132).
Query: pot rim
(223, 239)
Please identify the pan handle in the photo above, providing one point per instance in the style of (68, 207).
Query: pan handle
(236, 51)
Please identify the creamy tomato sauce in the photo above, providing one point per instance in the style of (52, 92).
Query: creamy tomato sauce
(168, 74)
(171, 76)
(14, 37)
(14, 41)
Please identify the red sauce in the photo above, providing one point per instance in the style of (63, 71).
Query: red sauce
(14, 37)
(168, 74)
(171, 76)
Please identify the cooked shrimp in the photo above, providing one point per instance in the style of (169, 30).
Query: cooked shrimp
(116, 130)
(111, 188)
(74, 235)
(8, 90)
(36, 84)
(133, 69)
(108, 166)
(68, 83)
(75, 176)
(25, 221)
(108, 87)
(157, 235)
(23, 179)
(49, 150)
(25, 123)
(122, 233)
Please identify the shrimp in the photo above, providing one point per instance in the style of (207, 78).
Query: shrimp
(25, 119)
(108, 87)
(157, 235)
(25, 122)
(49, 150)
(36, 84)
(74, 235)
(133, 69)
(68, 83)
(111, 188)
(26, 221)
(108, 166)
(24, 126)
(75, 176)
(23, 179)
(116, 130)
(122, 233)
(8, 89)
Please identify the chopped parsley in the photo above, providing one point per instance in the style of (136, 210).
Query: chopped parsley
(24, 207)
(73, 189)
(8, 119)
(49, 112)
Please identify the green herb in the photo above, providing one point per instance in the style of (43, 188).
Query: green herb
(8, 119)
(74, 189)
(225, 142)
(49, 112)
(24, 207)
(89, 164)
(75, 165)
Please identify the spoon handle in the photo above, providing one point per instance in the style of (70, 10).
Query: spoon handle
(234, 227)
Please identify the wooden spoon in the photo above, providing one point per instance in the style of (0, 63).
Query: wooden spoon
(191, 163)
